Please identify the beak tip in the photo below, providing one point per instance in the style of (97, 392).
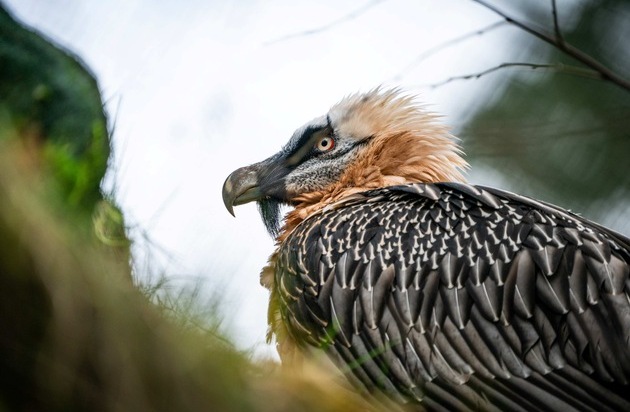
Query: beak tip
(229, 205)
(228, 195)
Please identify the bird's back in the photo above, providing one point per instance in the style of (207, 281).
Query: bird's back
(462, 297)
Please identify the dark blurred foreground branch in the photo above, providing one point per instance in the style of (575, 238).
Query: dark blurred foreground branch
(559, 67)
(604, 73)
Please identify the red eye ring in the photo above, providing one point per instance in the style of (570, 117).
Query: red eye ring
(325, 144)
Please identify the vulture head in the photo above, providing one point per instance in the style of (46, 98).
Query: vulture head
(376, 139)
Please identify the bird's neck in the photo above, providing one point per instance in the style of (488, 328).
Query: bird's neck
(391, 160)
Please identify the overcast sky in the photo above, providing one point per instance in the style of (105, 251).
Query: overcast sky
(196, 89)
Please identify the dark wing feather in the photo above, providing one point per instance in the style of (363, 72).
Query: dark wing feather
(464, 297)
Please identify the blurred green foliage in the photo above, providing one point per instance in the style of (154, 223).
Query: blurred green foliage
(48, 97)
(561, 137)
(50, 103)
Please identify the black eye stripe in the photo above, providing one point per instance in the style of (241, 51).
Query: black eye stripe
(309, 135)
(304, 147)
(304, 138)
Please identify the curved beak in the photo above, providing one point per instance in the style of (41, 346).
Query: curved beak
(241, 187)
(254, 183)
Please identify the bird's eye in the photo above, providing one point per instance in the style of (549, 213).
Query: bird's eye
(325, 144)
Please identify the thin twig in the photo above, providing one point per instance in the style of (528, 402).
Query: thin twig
(605, 73)
(556, 25)
(427, 53)
(577, 71)
(350, 16)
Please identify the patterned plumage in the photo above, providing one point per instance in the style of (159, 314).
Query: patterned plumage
(436, 293)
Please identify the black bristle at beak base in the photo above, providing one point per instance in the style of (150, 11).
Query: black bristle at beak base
(270, 213)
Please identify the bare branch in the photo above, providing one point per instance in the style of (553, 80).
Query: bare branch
(350, 16)
(433, 50)
(605, 73)
(556, 25)
(559, 67)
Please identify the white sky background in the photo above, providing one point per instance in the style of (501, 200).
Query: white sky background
(197, 90)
